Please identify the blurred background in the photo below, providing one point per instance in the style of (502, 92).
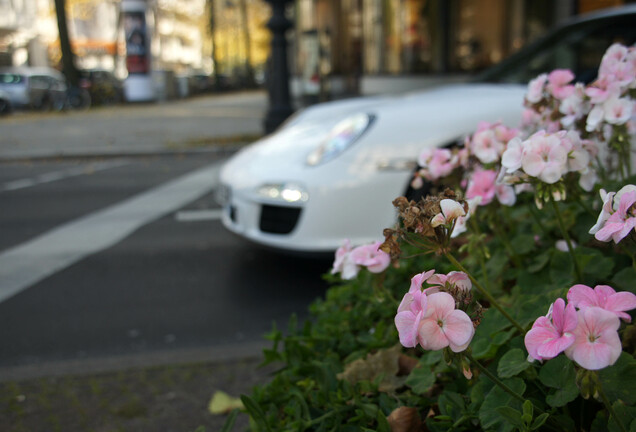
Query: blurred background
(167, 49)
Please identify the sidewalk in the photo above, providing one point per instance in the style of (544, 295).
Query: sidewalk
(204, 123)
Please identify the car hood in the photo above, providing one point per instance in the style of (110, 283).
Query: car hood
(403, 126)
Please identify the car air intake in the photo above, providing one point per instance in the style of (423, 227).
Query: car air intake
(279, 220)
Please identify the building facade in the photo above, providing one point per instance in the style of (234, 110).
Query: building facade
(371, 46)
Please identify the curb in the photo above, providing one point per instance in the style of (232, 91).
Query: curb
(230, 353)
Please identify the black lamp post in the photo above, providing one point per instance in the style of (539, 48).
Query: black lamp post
(278, 68)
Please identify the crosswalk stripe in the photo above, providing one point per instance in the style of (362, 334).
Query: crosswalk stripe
(28, 263)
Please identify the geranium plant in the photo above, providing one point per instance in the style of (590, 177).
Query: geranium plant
(501, 301)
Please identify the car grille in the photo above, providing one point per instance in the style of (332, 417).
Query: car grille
(279, 220)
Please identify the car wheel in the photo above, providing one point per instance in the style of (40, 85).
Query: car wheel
(5, 107)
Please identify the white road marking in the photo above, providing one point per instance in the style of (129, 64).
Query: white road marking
(28, 263)
(59, 175)
(198, 215)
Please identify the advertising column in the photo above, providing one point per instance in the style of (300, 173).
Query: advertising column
(138, 85)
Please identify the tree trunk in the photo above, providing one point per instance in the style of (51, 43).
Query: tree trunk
(68, 61)
(215, 62)
(248, 42)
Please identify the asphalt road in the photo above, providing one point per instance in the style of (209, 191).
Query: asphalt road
(126, 256)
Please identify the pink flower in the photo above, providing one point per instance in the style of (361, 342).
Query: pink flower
(437, 163)
(371, 257)
(482, 184)
(535, 89)
(460, 222)
(596, 343)
(545, 157)
(444, 326)
(451, 210)
(418, 280)
(409, 316)
(603, 296)
(551, 334)
(558, 81)
(620, 223)
(343, 263)
(606, 211)
(459, 280)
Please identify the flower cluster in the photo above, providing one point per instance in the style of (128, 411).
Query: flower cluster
(349, 260)
(618, 215)
(430, 317)
(547, 158)
(545, 97)
(489, 141)
(436, 163)
(609, 93)
(586, 329)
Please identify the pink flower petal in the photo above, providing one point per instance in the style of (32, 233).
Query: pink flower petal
(594, 356)
(540, 332)
(440, 305)
(407, 324)
(581, 296)
(621, 302)
(451, 209)
(552, 348)
(459, 330)
(431, 336)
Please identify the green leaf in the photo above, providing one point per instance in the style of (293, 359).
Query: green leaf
(524, 243)
(619, 380)
(539, 262)
(538, 422)
(490, 335)
(451, 404)
(559, 374)
(594, 264)
(624, 280)
(255, 412)
(512, 363)
(420, 380)
(512, 415)
(496, 398)
(229, 423)
(626, 415)
(561, 269)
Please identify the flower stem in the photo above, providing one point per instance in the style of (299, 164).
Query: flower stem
(609, 407)
(481, 254)
(485, 293)
(566, 236)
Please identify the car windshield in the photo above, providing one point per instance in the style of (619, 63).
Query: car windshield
(10, 78)
(578, 48)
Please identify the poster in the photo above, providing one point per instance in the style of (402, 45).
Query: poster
(137, 61)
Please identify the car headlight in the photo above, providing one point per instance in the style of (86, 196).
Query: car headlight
(287, 192)
(341, 136)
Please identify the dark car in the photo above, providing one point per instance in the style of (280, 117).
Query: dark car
(103, 86)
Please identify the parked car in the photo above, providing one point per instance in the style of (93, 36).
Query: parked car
(5, 103)
(332, 170)
(34, 87)
(103, 86)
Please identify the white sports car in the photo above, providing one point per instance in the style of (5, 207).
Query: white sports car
(333, 169)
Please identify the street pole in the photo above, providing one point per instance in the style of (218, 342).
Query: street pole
(278, 69)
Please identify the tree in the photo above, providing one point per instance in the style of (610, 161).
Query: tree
(248, 41)
(215, 62)
(68, 60)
